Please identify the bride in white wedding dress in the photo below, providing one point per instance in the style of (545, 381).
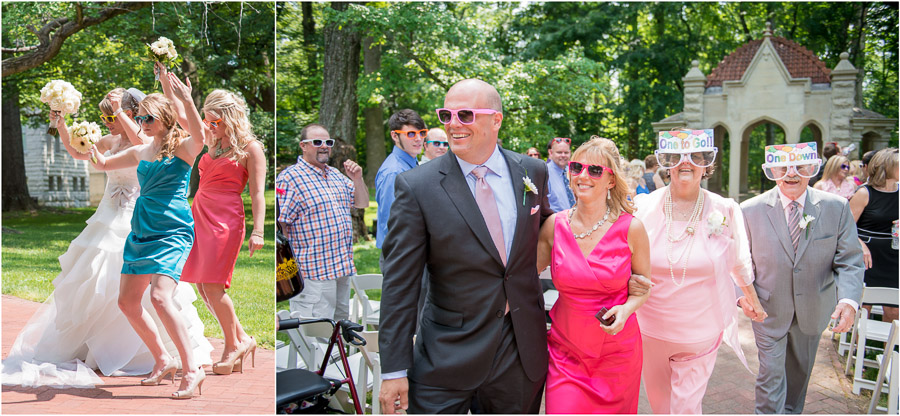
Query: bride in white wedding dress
(80, 328)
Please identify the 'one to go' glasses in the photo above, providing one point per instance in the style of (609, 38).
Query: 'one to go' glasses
(464, 115)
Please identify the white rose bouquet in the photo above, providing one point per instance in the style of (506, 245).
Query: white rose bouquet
(83, 136)
(62, 97)
(162, 51)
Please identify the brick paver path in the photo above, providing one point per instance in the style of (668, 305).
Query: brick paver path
(252, 392)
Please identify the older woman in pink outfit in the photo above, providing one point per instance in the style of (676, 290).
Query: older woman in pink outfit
(700, 251)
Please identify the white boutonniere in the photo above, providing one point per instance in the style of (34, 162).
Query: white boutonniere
(529, 187)
(716, 223)
(804, 223)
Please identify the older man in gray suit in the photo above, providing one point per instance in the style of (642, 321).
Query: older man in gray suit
(809, 269)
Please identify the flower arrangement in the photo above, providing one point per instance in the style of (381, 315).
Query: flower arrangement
(804, 223)
(716, 222)
(62, 97)
(83, 136)
(162, 51)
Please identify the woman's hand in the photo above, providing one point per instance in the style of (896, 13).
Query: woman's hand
(182, 91)
(255, 242)
(622, 313)
(159, 69)
(867, 255)
(54, 115)
(752, 308)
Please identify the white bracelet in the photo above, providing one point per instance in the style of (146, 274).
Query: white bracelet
(115, 113)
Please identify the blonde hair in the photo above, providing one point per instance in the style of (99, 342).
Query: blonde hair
(883, 165)
(605, 151)
(127, 102)
(161, 109)
(233, 111)
(833, 166)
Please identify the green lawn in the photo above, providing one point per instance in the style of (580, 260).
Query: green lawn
(30, 264)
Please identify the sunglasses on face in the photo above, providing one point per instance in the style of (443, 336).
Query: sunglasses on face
(565, 140)
(845, 167)
(212, 123)
(775, 173)
(699, 159)
(464, 115)
(411, 134)
(108, 119)
(595, 171)
(436, 143)
(320, 142)
(140, 120)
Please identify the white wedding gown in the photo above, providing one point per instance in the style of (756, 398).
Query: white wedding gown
(80, 327)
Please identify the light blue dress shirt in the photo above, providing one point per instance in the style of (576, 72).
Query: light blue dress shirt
(396, 163)
(556, 193)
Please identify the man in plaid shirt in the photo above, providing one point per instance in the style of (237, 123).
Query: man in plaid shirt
(315, 214)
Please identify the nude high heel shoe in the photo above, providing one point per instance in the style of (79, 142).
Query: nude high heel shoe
(170, 368)
(226, 367)
(251, 349)
(197, 384)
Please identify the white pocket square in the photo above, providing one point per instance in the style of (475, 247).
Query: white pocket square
(535, 209)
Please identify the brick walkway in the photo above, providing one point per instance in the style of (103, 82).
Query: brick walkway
(249, 393)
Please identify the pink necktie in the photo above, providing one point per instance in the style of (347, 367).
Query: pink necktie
(484, 197)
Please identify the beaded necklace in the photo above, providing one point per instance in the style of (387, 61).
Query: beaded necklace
(688, 233)
(594, 228)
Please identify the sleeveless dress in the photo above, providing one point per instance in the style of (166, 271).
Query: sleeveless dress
(591, 371)
(218, 221)
(80, 327)
(874, 226)
(162, 228)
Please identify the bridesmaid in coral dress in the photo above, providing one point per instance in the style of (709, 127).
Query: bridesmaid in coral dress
(594, 368)
(235, 156)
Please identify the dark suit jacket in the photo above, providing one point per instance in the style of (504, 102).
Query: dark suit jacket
(435, 223)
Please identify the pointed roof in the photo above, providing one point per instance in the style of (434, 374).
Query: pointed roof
(799, 61)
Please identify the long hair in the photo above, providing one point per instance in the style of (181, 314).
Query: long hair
(161, 109)
(833, 166)
(233, 111)
(883, 166)
(604, 151)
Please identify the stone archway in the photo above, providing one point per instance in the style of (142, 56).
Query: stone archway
(814, 135)
(868, 142)
(753, 174)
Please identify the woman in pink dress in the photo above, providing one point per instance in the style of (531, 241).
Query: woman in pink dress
(836, 177)
(700, 252)
(594, 367)
(234, 157)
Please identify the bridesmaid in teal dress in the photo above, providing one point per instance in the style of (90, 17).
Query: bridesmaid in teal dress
(161, 237)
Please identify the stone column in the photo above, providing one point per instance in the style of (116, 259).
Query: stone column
(694, 86)
(843, 90)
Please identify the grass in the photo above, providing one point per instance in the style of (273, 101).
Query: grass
(30, 264)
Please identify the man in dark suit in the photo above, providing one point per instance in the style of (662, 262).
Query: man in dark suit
(472, 219)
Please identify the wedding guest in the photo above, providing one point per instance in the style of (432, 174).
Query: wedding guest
(634, 177)
(702, 253)
(808, 268)
(858, 172)
(235, 157)
(650, 168)
(408, 132)
(830, 149)
(315, 215)
(435, 145)
(558, 152)
(875, 209)
(836, 177)
(594, 367)
(533, 152)
(161, 236)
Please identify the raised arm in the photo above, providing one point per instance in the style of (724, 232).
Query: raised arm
(361, 194)
(132, 130)
(194, 144)
(256, 166)
(180, 109)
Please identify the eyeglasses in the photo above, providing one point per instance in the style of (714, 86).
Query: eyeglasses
(320, 142)
(775, 173)
(703, 159)
(212, 123)
(595, 171)
(436, 143)
(845, 166)
(565, 140)
(464, 115)
(140, 120)
(108, 119)
(411, 134)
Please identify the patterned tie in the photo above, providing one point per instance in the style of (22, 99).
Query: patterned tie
(568, 189)
(794, 224)
(484, 197)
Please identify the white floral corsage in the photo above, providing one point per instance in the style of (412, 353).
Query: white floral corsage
(529, 187)
(716, 223)
(804, 223)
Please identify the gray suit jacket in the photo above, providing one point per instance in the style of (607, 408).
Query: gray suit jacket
(828, 264)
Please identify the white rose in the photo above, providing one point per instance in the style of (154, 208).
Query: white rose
(172, 54)
(56, 103)
(716, 222)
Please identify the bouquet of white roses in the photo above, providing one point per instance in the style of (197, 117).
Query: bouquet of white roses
(62, 97)
(163, 51)
(83, 136)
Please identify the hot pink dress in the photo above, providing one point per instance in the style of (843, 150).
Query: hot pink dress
(590, 370)
(218, 221)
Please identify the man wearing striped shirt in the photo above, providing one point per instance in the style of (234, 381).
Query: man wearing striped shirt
(315, 212)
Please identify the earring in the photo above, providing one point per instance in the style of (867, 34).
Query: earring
(608, 196)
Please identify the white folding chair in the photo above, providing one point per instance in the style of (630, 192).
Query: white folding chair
(865, 329)
(550, 298)
(365, 310)
(371, 364)
(889, 366)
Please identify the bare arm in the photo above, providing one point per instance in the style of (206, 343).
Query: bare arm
(191, 146)
(639, 244)
(132, 130)
(361, 194)
(65, 137)
(858, 204)
(256, 166)
(180, 107)
(545, 243)
(126, 159)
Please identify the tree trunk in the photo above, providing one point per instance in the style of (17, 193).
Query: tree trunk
(860, 52)
(375, 149)
(15, 184)
(309, 31)
(339, 108)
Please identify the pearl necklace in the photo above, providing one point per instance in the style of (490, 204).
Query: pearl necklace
(594, 228)
(688, 233)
